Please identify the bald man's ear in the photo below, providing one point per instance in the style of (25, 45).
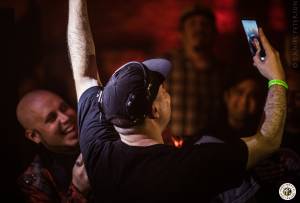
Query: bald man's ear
(33, 135)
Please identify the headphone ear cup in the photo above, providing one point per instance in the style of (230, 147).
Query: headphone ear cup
(135, 107)
(130, 106)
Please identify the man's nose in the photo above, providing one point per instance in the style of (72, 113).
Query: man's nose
(243, 102)
(199, 26)
(63, 117)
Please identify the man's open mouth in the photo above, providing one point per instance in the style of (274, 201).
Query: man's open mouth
(69, 129)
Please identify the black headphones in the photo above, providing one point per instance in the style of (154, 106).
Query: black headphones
(133, 106)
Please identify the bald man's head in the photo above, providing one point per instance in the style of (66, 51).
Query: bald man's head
(47, 119)
(30, 106)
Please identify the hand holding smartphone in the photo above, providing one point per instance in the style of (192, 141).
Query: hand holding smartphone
(251, 30)
(270, 67)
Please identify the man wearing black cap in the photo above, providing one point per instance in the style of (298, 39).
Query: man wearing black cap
(120, 129)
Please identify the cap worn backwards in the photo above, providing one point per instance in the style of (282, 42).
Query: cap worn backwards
(128, 95)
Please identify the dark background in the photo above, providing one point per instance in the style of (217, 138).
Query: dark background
(34, 49)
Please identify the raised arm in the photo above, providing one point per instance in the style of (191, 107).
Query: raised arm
(81, 47)
(268, 138)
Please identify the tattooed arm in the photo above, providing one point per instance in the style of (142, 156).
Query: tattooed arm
(268, 139)
(81, 47)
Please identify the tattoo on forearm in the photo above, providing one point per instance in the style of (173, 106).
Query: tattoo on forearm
(275, 112)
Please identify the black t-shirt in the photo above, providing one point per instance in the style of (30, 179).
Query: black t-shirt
(156, 173)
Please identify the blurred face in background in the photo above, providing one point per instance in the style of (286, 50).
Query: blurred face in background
(198, 32)
(241, 102)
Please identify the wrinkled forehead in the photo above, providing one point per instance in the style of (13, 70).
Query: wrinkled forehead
(246, 84)
(198, 17)
(45, 103)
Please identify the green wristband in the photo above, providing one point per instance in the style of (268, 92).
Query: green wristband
(277, 82)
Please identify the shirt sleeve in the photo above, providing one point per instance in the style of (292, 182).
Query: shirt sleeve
(94, 130)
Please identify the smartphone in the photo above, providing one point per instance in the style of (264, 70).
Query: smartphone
(251, 30)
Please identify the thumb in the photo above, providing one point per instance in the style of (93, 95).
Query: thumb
(79, 161)
(256, 59)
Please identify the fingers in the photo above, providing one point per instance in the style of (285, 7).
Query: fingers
(256, 59)
(79, 161)
(265, 42)
(80, 157)
(256, 44)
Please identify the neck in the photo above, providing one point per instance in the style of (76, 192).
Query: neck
(139, 140)
(63, 150)
(149, 135)
(201, 59)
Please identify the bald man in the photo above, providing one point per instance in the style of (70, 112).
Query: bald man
(52, 176)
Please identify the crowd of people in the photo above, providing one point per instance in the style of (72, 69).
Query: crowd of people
(173, 129)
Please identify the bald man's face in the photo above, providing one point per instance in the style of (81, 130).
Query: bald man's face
(54, 122)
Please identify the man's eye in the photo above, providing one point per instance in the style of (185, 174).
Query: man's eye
(51, 118)
(64, 107)
(238, 92)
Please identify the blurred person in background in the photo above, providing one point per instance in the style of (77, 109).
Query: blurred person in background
(197, 77)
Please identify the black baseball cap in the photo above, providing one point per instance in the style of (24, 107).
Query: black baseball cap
(128, 96)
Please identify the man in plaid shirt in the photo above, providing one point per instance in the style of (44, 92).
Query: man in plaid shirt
(196, 81)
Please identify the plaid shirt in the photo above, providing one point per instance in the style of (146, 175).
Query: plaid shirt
(196, 95)
(38, 185)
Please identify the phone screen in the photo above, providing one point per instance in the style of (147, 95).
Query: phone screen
(251, 30)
